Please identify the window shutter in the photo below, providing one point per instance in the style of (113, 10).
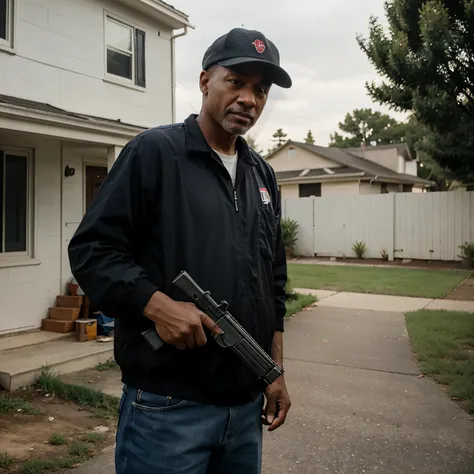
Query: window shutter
(140, 72)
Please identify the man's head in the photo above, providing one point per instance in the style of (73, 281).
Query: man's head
(238, 70)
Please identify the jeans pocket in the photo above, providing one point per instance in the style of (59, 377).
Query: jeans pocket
(151, 402)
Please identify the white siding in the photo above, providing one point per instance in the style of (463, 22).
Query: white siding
(289, 191)
(411, 168)
(26, 292)
(367, 188)
(349, 188)
(387, 157)
(60, 60)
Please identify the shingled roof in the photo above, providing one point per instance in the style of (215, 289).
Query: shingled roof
(348, 161)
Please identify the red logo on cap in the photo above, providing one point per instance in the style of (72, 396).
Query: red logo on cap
(259, 46)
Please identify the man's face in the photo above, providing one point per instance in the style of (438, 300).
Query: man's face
(235, 98)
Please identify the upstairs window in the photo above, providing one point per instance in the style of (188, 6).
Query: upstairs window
(6, 23)
(125, 51)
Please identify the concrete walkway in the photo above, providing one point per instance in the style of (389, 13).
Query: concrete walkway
(359, 405)
(371, 302)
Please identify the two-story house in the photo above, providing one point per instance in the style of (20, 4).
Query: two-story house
(78, 80)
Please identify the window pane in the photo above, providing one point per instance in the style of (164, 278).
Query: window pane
(2, 162)
(3, 19)
(308, 190)
(16, 170)
(119, 64)
(119, 36)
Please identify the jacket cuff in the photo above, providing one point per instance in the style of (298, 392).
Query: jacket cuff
(141, 297)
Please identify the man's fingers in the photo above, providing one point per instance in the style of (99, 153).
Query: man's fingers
(270, 409)
(279, 420)
(200, 336)
(210, 324)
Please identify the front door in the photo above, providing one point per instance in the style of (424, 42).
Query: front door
(95, 176)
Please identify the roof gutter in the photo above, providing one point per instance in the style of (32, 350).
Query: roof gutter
(321, 178)
(173, 72)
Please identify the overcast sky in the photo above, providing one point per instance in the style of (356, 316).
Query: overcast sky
(317, 43)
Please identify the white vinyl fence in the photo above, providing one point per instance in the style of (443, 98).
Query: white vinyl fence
(427, 226)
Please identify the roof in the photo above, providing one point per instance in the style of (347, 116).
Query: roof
(402, 148)
(43, 107)
(350, 161)
(172, 8)
(316, 173)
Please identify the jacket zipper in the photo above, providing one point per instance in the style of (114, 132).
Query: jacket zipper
(236, 202)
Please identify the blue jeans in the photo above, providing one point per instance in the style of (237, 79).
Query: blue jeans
(164, 435)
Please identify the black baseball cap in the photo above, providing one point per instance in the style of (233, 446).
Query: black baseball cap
(241, 46)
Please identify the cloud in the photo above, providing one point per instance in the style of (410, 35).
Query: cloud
(317, 43)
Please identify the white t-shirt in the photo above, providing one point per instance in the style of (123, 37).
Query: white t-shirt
(230, 162)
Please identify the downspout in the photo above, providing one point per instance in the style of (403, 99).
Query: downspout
(173, 73)
(372, 180)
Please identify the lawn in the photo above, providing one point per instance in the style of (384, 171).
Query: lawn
(300, 302)
(444, 345)
(384, 281)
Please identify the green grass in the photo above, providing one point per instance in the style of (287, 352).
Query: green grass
(384, 281)
(444, 344)
(5, 461)
(95, 437)
(78, 449)
(294, 306)
(9, 404)
(57, 439)
(109, 365)
(104, 405)
(38, 466)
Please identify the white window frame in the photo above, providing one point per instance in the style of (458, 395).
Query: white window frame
(28, 253)
(108, 77)
(8, 44)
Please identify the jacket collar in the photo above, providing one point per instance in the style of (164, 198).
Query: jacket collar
(196, 141)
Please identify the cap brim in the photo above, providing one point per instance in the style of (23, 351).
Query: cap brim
(277, 74)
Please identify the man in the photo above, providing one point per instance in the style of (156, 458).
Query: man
(193, 197)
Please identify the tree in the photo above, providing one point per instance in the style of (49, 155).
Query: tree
(364, 126)
(279, 136)
(309, 138)
(427, 62)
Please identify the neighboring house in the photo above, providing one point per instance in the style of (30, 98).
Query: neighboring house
(78, 80)
(305, 170)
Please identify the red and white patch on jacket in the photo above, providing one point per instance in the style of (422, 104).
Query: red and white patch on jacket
(265, 195)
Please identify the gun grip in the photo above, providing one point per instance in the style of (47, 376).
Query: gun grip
(153, 339)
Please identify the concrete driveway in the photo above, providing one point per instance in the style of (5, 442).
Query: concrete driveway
(359, 405)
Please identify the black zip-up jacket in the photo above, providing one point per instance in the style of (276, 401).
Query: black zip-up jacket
(167, 205)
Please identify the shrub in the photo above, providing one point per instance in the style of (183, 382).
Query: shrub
(289, 229)
(467, 254)
(359, 249)
(57, 439)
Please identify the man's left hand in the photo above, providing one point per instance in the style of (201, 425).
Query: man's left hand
(278, 404)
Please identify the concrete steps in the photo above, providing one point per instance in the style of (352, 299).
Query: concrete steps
(22, 357)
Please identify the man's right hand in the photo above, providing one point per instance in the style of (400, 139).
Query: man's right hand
(177, 323)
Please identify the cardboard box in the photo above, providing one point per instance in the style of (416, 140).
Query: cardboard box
(54, 325)
(86, 329)
(64, 314)
(66, 301)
